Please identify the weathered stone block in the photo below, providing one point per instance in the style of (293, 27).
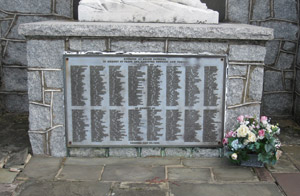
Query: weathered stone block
(14, 79)
(272, 51)
(285, 61)
(256, 84)
(54, 79)
(286, 9)
(178, 152)
(16, 103)
(39, 117)
(15, 54)
(297, 109)
(87, 44)
(197, 47)
(237, 70)
(273, 81)
(238, 11)
(289, 46)
(64, 7)
(45, 53)
(235, 91)
(247, 53)
(282, 30)
(271, 103)
(87, 152)
(137, 46)
(151, 152)
(38, 143)
(34, 86)
(297, 82)
(122, 152)
(58, 142)
(289, 84)
(261, 9)
(29, 6)
(232, 114)
(205, 152)
(58, 108)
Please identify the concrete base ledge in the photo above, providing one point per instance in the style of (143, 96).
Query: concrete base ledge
(154, 30)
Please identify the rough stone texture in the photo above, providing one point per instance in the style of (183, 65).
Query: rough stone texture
(234, 174)
(273, 81)
(7, 189)
(238, 11)
(272, 51)
(210, 162)
(151, 152)
(280, 29)
(40, 6)
(34, 86)
(179, 11)
(261, 9)
(197, 47)
(297, 109)
(298, 80)
(39, 117)
(205, 152)
(15, 54)
(285, 9)
(232, 114)
(235, 91)
(64, 7)
(221, 31)
(137, 46)
(271, 100)
(87, 152)
(247, 53)
(58, 108)
(6, 176)
(289, 46)
(42, 168)
(178, 152)
(123, 152)
(58, 142)
(15, 79)
(80, 173)
(285, 61)
(237, 70)
(256, 84)
(54, 79)
(45, 53)
(37, 142)
(87, 44)
(189, 174)
(283, 165)
(16, 103)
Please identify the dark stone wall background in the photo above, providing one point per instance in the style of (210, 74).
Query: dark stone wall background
(282, 70)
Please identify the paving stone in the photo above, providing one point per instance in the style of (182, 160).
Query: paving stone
(234, 174)
(81, 173)
(7, 189)
(131, 189)
(189, 174)
(211, 162)
(49, 188)
(132, 173)
(293, 153)
(289, 183)
(6, 176)
(283, 165)
(17, 158)
(263, 174)
(225, 189)
(137, 46)
(123, 161)
(42, 168)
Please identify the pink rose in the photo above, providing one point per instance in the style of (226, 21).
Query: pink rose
(229, 134)
(261, 133)
(225, 141)
(263, 119)
(234, 134)
(241, 118)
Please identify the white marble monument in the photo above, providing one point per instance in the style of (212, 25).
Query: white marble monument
(161, 11)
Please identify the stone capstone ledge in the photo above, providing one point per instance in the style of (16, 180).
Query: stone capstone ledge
(153, 30)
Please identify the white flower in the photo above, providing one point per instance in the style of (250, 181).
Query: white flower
(234, 156)
(246, 142)
(242, 131)
(251, 137)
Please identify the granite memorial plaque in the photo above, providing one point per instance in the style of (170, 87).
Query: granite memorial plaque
(144, 100)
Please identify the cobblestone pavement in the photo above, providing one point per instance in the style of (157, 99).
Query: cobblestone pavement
(154, 176)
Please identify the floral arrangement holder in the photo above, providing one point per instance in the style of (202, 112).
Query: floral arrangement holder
(251, 136)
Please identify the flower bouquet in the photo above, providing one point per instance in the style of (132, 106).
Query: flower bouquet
(251, 136)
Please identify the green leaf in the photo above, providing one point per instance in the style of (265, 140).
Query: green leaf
(268, 147)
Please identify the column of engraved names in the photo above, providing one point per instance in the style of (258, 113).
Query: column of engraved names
(210, 99)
